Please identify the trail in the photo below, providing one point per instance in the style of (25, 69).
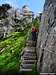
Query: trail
(29, 57)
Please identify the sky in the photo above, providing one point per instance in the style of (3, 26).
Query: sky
(35, 5)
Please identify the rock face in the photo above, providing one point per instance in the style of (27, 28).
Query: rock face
(46, 43)
(6, 26)
(13, 20)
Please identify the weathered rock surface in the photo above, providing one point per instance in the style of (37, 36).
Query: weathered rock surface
(46, 43)
(13, 20)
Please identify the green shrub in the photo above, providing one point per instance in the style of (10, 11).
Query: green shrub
(10, 57)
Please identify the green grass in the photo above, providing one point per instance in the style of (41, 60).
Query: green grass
(10, 57)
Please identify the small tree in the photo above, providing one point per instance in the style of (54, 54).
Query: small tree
(36, 22)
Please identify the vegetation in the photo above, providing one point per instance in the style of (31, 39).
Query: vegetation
(10, 57)
(36, 22)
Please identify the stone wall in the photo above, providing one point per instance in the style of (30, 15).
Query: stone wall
(46, 43)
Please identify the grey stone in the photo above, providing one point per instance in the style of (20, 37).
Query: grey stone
(25, 70)
(46, 43)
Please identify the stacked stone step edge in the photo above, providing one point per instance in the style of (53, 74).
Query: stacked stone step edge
(28, 58)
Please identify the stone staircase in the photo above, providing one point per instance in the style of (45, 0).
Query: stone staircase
(28, 58)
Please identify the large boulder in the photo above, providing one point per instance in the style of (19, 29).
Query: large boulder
(46, 43)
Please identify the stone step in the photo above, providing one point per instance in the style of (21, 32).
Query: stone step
(29, 57)
(29, 48)
(31, 44)
(31, 41)
(29, 51)
(29, 54)
(27, 66)
(25, 70)
(28, 61)
(32, 50)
